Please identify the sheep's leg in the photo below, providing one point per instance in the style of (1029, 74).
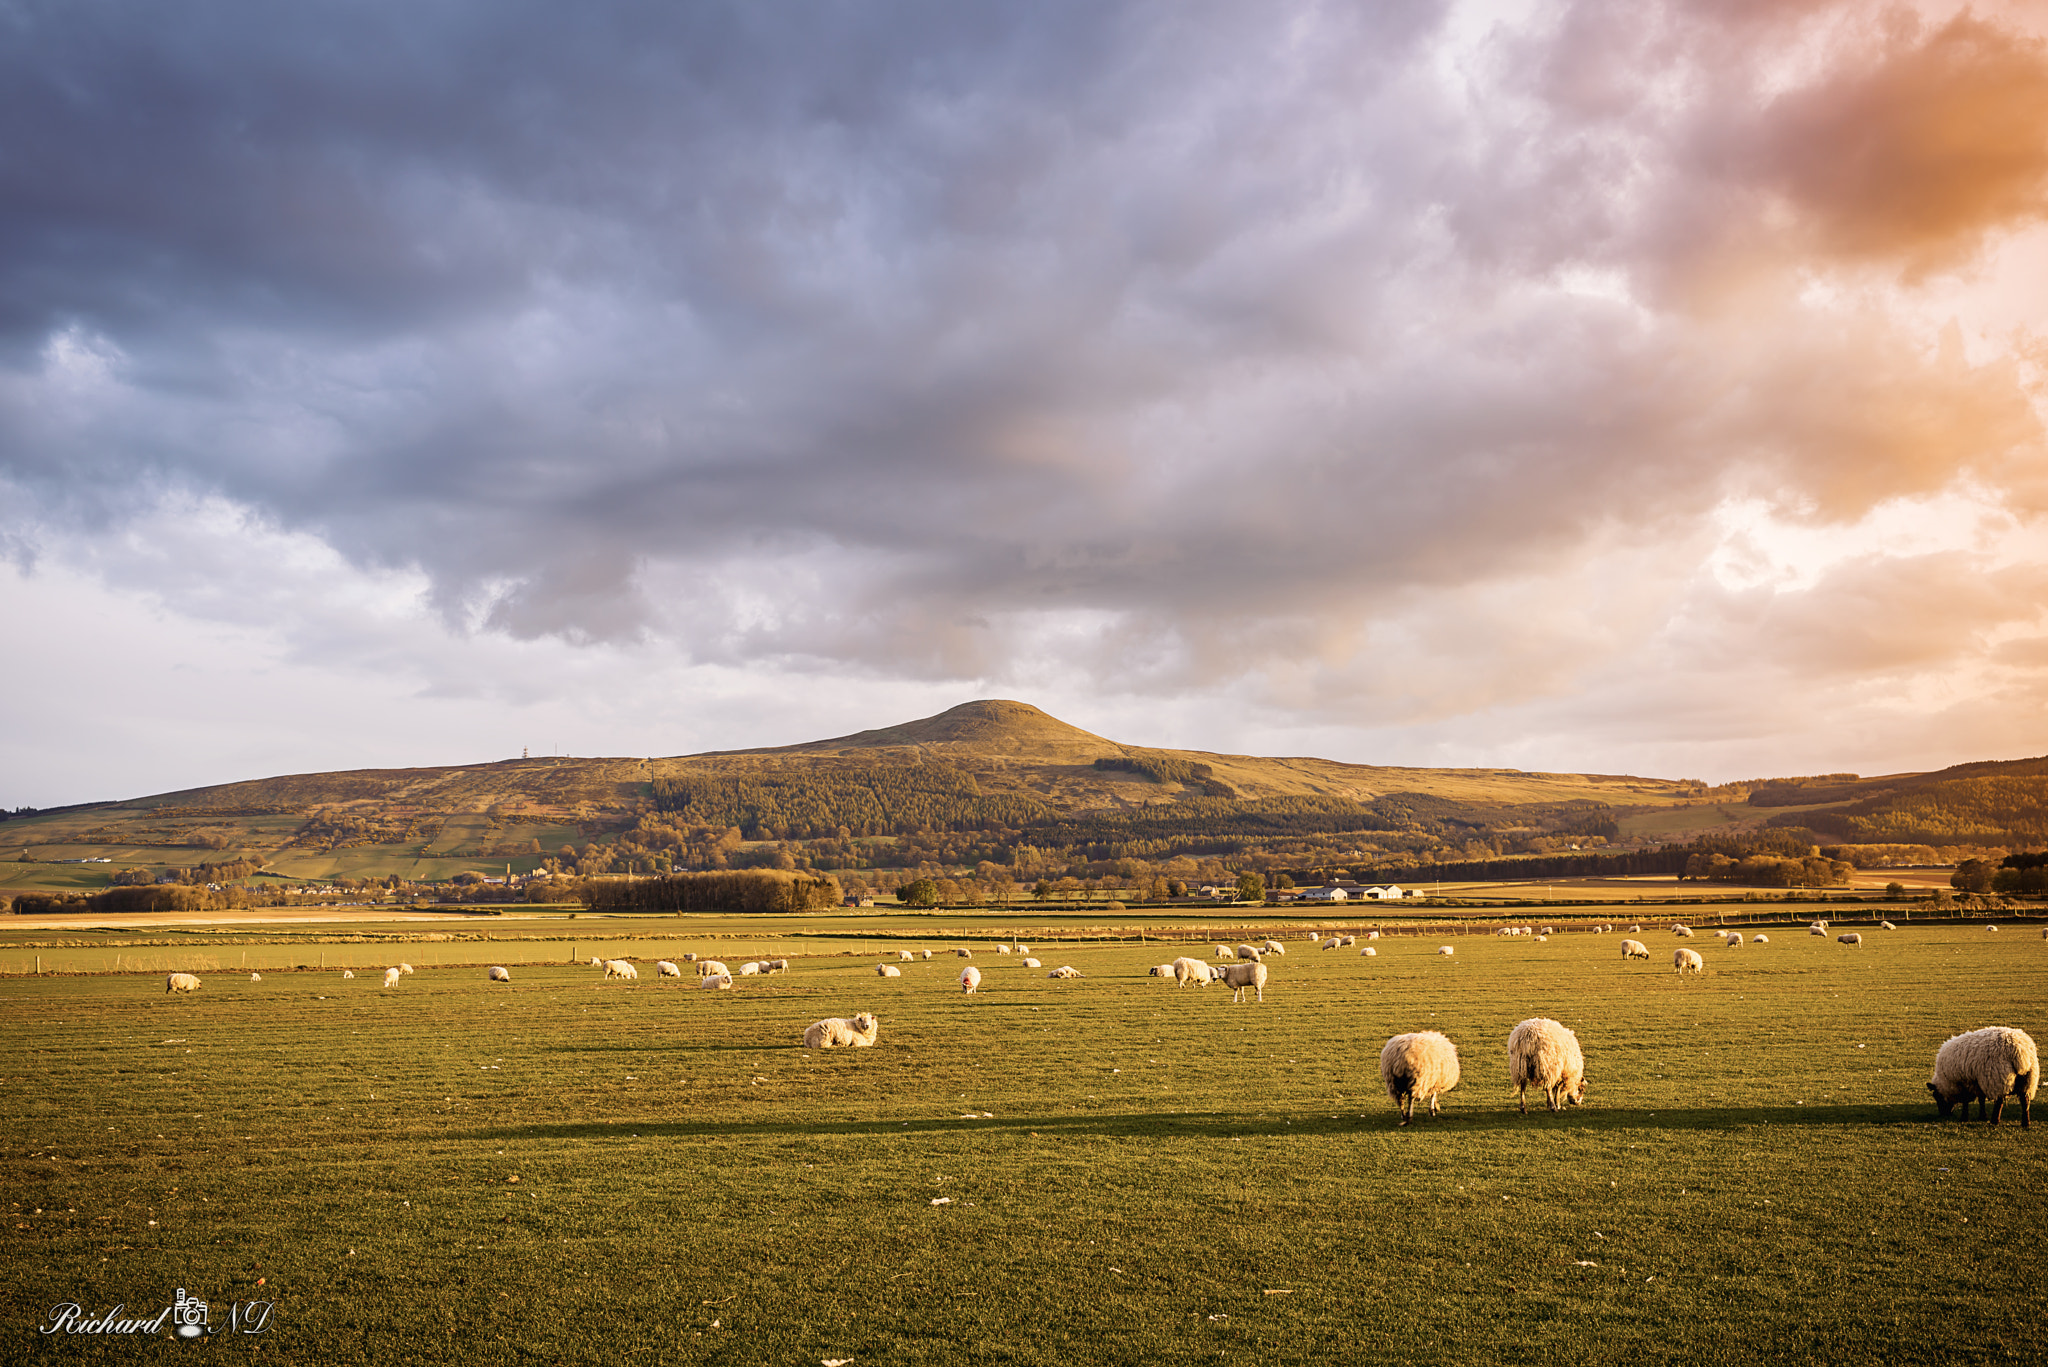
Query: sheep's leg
(1998, 1112)
(1407, 1109)
(1522, 1096)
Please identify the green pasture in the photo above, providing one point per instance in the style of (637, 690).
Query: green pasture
(1106, 1170)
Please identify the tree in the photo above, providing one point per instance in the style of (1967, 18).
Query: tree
(1894, 891)
(921, 892)
(1972, 875)
(1250, 887)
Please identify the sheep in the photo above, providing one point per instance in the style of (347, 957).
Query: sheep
(1760, 939)
(858, 1033)
(1682, 932)
(1852, 939)
(1372, 935)
(1187, 971)
(1987, 1066)
(905, 955)
(1635, 930)
(348, 973)
(255, 977)
(888, 971)
(1238, 977)
(1247, 952)
(1546, 931)
(1023, 949)
(1421, 1066)
(1634, 949)
(1447, 950)
(970, 978)
(1334, 942)
(1734, 939)
(663, 968)
(1275, 947)
(775, 965)
(180, 982)
(1542, 939)
(1545, 1054)
(717, 982)
(689, 958)
(619, 968)
(1991, 928)
(1348, 941)
(1031, 963)
(391, 977)
(1225, 952)
(711, 968)
(1688, 961)
(1887, 925)
(927, 954)
(596, 962)
(964, 953)
(1159, 971)
(1002, 949)
(750, 970)
(1819, 928)
(1065, 971)
(405, 968)
(500, 973)
(1368, 953)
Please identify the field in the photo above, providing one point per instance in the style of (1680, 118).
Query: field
(1108, 1170)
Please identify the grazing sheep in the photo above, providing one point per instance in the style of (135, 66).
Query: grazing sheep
(1987, 1066)
(964, 953)
(1023, 949)
(1368, 953)
(927, 954)
(1447, 950)
(905, 955)
(405, 968)
(1546, 931)
(1545, 1054)
(1187, 971)
(1991, 927)
(1819, 928)
(1334, 942)
(1635, 930)
(255, 977)
(1421, 1066)
(775, 965)
(619, 968)
(858, 1033)
(750, 970)
(596, 962)
(1348, 941)
(391, 977)
(1887, 925)
(1002, 949)
(1760, 939)
(1275, 947)
(1225, 952)
(1734, 939)
(970, 978)
(1159, 971)
(1238, 977)
(1688, 961)
(348, 973)
(663, 968)
(1852, 939)
(180, 982)
(1031, 963)
(711, 968)
(1634, 949)
(500, 973)
(1247, 952)
(717, 982)
(888, 971)
(1682, 932)
(689, 958)
(1065, 971)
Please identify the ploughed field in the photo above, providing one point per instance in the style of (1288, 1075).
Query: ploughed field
(1102, 1170)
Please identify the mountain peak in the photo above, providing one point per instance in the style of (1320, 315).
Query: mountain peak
(986, 726)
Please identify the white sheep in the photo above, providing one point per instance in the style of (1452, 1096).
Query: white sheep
(348, 973)
(1852, 939)
(619, 968)
(905, 955)
(664, 968)
(1247, 952)
(927, 954)
(964, 953)
(1348, 941)
(596, 962)
(1368, 953)
(1186, 970)
(500, 973)
(1987, 1066)
(750, 970)
(1544, 1054)
(1372, 935)
(858, 1033)
(1887, 925)
(1991, 928)
(1546, 931)
(1734, 939)
(1237, 977)
(1065, 971)
(1542, 939)
(1275, 947)
(1334, 942)
(1760, 939)
(1031, 963)
(717, 982)
(255, 977)
(180, 982)
(1447, 950)
(1819, 928)
(1225, 952)
(391, 977)
(405, 968)
(1159, 971)
(1635, 930)
(775, 965)
(711, 968)
(970, 978)
(1682, 932)
(888, 971)
(1688, 961)
(687, 958)
(1023, 949)
(1002, 949)
(1421, 1066)
(1634, 949)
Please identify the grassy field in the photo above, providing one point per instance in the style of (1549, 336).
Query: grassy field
(1105, 1170)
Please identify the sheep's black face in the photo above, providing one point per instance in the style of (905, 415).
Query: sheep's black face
(1942, 1105)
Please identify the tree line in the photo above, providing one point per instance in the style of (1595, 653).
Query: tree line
(758, 890)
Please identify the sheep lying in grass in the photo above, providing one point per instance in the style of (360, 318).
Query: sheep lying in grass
(1031, 963)
(1237, 977)
(1421, 1066)
(391, 977)
(1760, 939)
(1186, 970)
(1634, 949)
(1819, 928)
(711, 968)
(1372, 935)
(665, 969)
(1545, 1055)
(717, 982)
(970, 978)
(1682, 932)
(1688, 961)
(180, 982)
(1065, 971)
(619, 968)
(888, 971)
(1991, 928)
(1159, 971)
(500, 973)
(1987, 1066)
(1852, 939)
(858, 1033)
(1368, 953)
(1887, 925)
(1447, 950)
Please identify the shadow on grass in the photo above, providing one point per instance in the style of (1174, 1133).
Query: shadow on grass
(1229, 1125)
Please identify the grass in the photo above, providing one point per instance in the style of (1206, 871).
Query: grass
(1757, 1175)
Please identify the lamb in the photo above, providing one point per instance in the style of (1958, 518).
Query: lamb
(1421, 1066)
(888, 971)
(1688, 961)
(1187, 971)
(500, 973)
(1546, 931)
(1545, 1054)
(750, 970)
(180, 982)
(1447, 950)
(717, 982)
(1987, 1066)
(1065, 971)
(858, 1033)
(711, 968)
(1238, 977)
(905, 955)
(1031, 963)
(1682, 932)
(1247, 952)
(970, 978)
(663, 968)
(1275, 947)
(619, 968)
(255, 977)
(1634, 949)
(1992, 928)
(1853, 940)
(391, 977)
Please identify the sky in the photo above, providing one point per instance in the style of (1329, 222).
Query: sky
(1620, 386)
